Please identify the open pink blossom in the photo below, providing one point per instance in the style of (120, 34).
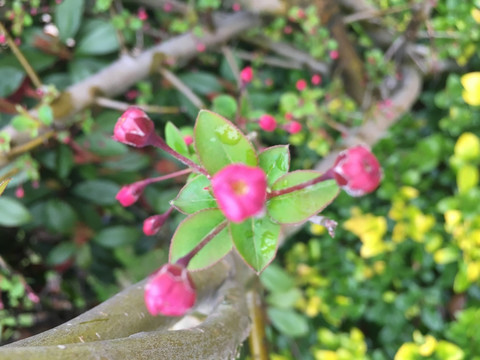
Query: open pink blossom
(240, 191)
(170, 291)
(129, 194)
(134, 128)
(267, 122)
(357, 171)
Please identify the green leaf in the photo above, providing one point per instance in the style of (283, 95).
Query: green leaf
(3, 185)
(68, 16)
(192, 231)
(15, 77)
(64, 161)
(23, 123)
(174, 139)
(300, 205)
(275, 161)
(202, 82)
(12, 212)
(194, 196)
(276, 279)
(220, 143)
(98, 38)
(225, 105)
(60, 216)
(100, 192)
(61, 253)
(45, 114)
(256, 240)
(288, 322)
(81, 68)
(115, 236)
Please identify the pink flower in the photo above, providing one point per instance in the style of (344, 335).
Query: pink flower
(201, 47)
(170, 291)
(267, 122)
(316, 79)
(129, 194)
(357, 171)
(293, 127)
(240, 191)
(188, 139)
(246, 75)
(301, 85)
(142, 14)
(334, 54)
(168, 7)
(3, 39)
(134, 128)
(20, 192)
(236, 7)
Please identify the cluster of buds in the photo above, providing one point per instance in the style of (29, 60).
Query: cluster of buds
(241, 192)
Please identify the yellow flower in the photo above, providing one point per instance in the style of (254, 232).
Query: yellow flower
(471, 84)
(476, 15)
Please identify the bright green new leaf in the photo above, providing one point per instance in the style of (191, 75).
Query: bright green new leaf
(256, 240)
(3, 185)
(12, 212)
(195, 196)
(275, 161)
(24, 123)
(220, 143)
(192, 231)
(45, 114)
(467, 178)
(174, 139)
(299, 205)
(225, 105)
(68, 16)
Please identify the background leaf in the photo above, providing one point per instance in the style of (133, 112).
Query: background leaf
(12, 212)
(100, 192)
(115, 236)
(68, 16)
(97, 38)
(15, 77)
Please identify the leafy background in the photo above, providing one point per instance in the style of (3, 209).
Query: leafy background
(400, 277)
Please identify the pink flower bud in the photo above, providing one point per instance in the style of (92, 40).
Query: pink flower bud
(129, 194)
(357, 171)
(316, 79)
(19, 192)
(170, 291)
(267, 122)
(153, 224)
(167, 7)
(142, 14)
(236, 7)
(301, 85)
(188, 139)
(3, 39)
(240, 191)
(246, 75)
(134, 128)
(201, 47)
(334, 54)
(293, 127)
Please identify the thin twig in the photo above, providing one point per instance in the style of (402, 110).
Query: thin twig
(122, 106)
(180, 86)
(373, 13)
(21, 58)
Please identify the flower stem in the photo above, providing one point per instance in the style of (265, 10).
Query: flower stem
(327, 176)
(160, 143)
(165, 177)
(183, 261)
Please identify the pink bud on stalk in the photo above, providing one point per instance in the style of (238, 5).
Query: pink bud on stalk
(357, 171)
(170, 291)
(129, 194)
(246, 75)
(134, 128)
(240, 191)
(293, 127)
(267, 123)
(153, 224)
